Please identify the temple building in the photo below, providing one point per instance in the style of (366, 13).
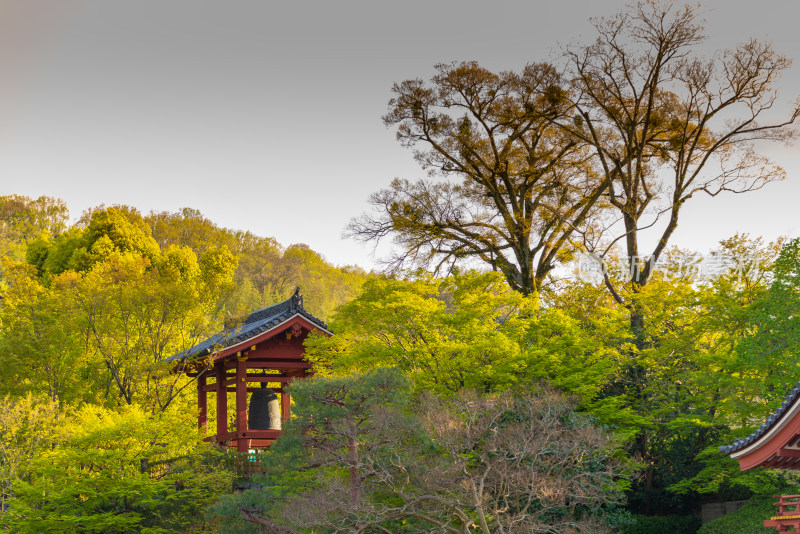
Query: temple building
(775, 445)
(260, 356)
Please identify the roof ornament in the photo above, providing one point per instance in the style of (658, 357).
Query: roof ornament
(297, 300)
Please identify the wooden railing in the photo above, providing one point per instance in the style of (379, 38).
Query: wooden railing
(787, 518)
(788, 504)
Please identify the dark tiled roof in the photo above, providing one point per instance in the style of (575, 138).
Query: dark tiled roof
(257, 322)
(741, 443)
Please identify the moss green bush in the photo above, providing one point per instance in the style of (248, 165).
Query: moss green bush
(673, 524)
(749, 519)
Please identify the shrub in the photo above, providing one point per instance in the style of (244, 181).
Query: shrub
(749, 519)
(673, 524)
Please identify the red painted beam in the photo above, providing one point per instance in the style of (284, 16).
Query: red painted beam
(259, 434)
(230, 385)
(284, 364)
(270, 378)
(250, 390)
(277, 364)
(221, 438)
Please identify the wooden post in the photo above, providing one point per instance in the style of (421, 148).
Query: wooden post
(285, 403)
(202, 403)
(222, 403)
(241, 403)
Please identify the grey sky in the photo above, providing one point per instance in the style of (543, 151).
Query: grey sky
(265, 115)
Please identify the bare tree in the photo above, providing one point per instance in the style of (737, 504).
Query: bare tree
(665, 124)
(523, 463)
(491, 464)
(507, 188)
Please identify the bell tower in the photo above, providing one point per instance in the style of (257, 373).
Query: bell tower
(258, 358)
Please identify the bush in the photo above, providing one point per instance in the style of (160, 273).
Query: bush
(118, 471)
(673, 524)
(749, 519)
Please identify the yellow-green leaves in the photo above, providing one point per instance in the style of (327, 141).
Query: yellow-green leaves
(446, 333)
(117, 471)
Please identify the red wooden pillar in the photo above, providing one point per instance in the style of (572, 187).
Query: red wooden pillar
(222, 403)
(285, 403)
(241, 404)
(202, 402)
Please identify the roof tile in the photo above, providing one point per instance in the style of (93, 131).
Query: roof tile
(740, 443)
(257, 322)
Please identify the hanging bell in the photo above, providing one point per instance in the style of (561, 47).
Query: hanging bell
(264, 412)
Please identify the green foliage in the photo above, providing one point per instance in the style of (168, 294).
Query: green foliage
(86, 322)
(27, 428)
(578, 344)
(746, 366)
(677, 394)
(267, 272)
(773, 339)
(749, 519)
(110, 471)
(90, 316)
(332, 413)
(42, 341)
(80, 335)
(23, 220)
(674, 524)
(118, 230)
(447, 334)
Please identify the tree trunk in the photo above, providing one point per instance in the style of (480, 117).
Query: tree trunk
(355, 479)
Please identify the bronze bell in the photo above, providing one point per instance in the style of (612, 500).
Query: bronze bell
(264, 412)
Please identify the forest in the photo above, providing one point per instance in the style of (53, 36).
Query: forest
(538, 354)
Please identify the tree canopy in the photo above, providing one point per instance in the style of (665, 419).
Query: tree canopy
(512, 190)
(579, 155)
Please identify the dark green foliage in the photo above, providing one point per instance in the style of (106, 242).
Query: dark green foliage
(749, 519)
(774, 326)
(666, 524)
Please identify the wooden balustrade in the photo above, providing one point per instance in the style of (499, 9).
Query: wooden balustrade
(787, 518)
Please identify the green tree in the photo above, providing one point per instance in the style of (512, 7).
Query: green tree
(447, 334)
(267, 272)
(136, 315)
(126, 471)
(23, 220)
(28, 427)
(43, 342)
(774, 328)
(759, 370)
(108, 307)
(119, 229)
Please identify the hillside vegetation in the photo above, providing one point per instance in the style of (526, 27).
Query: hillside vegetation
(97, 435)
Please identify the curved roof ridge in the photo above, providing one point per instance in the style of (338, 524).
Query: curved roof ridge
(255, 323)
(770, 422)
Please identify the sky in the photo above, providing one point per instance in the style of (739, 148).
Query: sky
(266, 116)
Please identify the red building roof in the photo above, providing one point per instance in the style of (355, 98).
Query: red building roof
(776, 443)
